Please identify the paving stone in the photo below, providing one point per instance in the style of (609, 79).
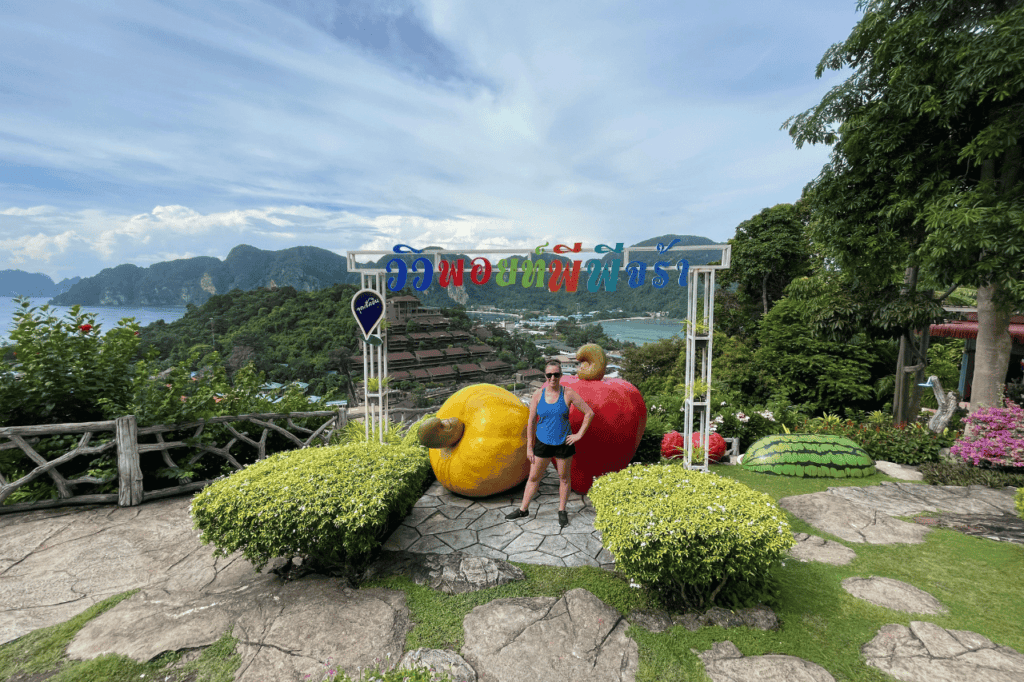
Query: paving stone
(484, 550)
(441, 660)
(526, 542)
(402, 538)
(489, 519)
(908, 499)
(535, 557)
(453, 500)
(583, 542)
(437, 525)
(999, 527)
(579, 559)
(497, 537)
(556, 545)
(724, 663)
(814, 548)
(938, 642)
(459, 539)
(429, 544)
(419, 515)
(893, 594)
(605, 557)
(427, 500)
(285, 630)
(470, 514)
(926, 652)
(450, 511)
(900, 471)
(850, 521)
(577, 638)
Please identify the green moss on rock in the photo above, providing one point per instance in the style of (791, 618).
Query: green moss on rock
(809, 455)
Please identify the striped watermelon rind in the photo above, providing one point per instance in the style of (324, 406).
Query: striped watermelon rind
(809, 455)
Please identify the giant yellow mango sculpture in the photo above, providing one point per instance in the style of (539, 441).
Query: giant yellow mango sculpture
(478, 441)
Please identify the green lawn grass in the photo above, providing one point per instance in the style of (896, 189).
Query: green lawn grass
(979, 580)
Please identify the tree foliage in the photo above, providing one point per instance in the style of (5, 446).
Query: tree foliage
(59, 369)
(925, 167)
(768, 252)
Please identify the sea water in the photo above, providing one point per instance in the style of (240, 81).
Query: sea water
(107, 317)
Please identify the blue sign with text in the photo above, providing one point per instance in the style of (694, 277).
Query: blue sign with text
(368, 309)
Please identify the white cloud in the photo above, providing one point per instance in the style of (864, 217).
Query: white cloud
(154, 126)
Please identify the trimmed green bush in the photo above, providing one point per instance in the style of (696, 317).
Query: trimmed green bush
(961, 473)
(329, 505)
(808, 455)
(904, 444)
(694, 537)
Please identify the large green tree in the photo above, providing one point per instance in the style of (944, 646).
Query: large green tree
(768, 252)
(924, 177)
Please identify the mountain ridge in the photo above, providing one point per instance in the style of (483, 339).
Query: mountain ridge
(310, 268)
(32, 284)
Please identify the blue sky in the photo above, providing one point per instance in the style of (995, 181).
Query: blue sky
(143, 131)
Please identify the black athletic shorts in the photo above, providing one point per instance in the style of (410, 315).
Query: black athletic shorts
(563, 451)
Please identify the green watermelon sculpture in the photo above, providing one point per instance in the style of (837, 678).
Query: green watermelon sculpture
(809, 455)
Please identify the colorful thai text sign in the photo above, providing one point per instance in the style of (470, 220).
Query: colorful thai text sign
(600, 273)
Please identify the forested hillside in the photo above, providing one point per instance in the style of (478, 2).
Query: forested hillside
(288, 334)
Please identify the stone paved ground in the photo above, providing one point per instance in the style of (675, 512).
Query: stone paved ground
(55, 563)
(443, 522)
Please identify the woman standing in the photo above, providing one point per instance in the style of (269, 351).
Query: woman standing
(549, 436)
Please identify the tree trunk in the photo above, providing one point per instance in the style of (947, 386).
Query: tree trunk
(992, 357)
(764, 293)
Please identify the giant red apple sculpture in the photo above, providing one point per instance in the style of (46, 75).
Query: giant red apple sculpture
(620, 416)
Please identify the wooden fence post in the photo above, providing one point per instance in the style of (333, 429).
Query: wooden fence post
(129, 474)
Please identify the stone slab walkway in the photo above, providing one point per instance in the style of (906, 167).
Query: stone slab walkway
(867, 514)
(442, 522)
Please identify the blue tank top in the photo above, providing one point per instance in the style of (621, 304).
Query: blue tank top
(552, 419)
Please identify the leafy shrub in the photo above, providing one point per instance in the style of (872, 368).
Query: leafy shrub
(996, 437)
(694, 537)
(60, 368)
(198, 388)
(961, 473)
(902, 444)
(649, 449)
(1015, 391)
(330, 505)
(751, 424)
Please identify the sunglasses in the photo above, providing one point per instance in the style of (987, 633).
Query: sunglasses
(550, 375)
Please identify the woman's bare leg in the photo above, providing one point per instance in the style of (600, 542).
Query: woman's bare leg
(564, 467)
(537, 469)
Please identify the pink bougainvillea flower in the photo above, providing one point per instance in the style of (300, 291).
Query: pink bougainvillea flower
(183, 398)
